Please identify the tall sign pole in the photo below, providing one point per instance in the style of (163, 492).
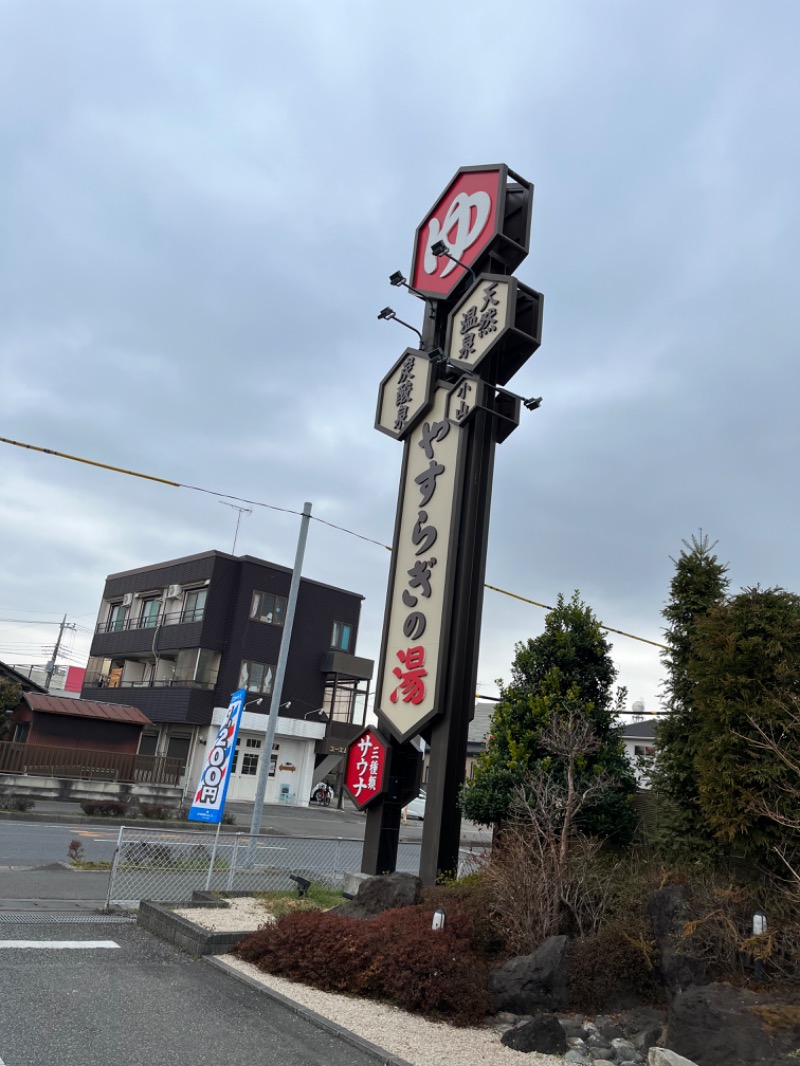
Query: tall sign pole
(446, 402)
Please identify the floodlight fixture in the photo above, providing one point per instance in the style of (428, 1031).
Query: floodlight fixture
(389, 315)
(398, 279)
(439, 249)
(532, 403)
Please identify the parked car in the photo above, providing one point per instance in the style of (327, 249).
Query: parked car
(416, 808)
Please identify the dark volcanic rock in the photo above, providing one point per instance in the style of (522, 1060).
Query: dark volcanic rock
(543, 1034)
(534, 982)
(379, 894)
(717, 1025)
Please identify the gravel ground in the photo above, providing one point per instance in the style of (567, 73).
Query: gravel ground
(419, 1042)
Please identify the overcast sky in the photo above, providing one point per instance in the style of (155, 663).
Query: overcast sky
(200, 205)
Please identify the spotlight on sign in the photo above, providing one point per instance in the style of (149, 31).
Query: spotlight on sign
(397, 279)
(439, 249)
(532, 403)
(388, 315)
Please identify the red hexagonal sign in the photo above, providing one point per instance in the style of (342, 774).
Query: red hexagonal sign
(467, 217)
(366, 767)
(483, 209)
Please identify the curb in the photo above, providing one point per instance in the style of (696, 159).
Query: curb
(184, 934)
(94, 820)
(318, 1020)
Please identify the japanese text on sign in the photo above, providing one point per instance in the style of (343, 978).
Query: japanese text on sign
(418, 597)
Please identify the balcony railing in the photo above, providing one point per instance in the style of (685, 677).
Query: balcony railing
(104, 681)
(41, 760)
(171, 618)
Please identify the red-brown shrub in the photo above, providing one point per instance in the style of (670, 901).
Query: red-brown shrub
(395, 957)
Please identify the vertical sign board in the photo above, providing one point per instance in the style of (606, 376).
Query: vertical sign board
(212, 788)
(419, 600)
(365, 768)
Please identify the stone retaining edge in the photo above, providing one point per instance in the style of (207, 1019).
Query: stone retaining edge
(184, 934)
(318, 1020)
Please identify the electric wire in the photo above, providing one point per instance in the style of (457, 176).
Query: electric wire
(285, 510)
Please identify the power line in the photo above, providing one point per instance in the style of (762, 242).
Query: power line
(284, 510)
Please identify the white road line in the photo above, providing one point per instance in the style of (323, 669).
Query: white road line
(57, 944)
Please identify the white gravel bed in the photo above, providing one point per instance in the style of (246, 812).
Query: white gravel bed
(409, 1037)
(243, 913)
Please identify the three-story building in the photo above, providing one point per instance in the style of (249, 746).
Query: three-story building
(176, 638)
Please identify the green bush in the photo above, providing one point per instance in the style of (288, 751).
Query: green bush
(16, 803)
(104, 808)
(156, 811)
(612, 970)
(396, 958)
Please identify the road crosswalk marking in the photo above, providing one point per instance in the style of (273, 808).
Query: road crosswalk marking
(58, 944)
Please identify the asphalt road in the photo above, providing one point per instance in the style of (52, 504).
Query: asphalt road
(140, 1002)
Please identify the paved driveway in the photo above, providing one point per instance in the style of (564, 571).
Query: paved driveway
(140, 1001)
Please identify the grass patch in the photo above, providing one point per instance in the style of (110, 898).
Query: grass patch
(84, 864)
(318, 898)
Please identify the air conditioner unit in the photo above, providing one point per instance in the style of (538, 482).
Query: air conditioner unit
(127, 599)
(173, 592)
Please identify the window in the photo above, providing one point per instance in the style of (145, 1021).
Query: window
(194, 605)
(273, 760)
(149, 613)
(249, 764)
(253, 742)
(116, 617)
(342, 632)
(256, 677)
(269, 608)
(197, 666)
(644, 749)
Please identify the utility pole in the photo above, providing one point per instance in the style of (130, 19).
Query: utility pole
(280, 673)
(50, 667)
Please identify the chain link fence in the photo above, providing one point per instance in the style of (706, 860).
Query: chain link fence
(168, 865)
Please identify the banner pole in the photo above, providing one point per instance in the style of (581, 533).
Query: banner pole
(213, 856)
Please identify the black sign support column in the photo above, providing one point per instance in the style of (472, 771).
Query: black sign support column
(441, 834)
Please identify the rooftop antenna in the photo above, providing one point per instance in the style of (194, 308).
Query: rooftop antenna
(241, 510)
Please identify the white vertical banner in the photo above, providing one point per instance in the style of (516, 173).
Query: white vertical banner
(423, 563)
(212, 788)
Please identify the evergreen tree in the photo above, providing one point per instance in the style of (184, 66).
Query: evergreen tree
(699, 584)
(745, 677)
(10, 695)
(566, 670)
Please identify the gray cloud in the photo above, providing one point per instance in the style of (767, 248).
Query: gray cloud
(200, 210)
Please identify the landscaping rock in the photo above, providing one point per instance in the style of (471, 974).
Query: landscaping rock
(543, 1034)
(623, 1050)
(717, 1025)
(659, 1056)
(379, 894)
(533, 982)
(579, 1057)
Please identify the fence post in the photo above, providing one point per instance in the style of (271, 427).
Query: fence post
(337, 861)
(232, 871)
(114, 864)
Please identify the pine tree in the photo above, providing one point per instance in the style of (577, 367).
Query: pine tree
(699, 584)
(566, 670)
